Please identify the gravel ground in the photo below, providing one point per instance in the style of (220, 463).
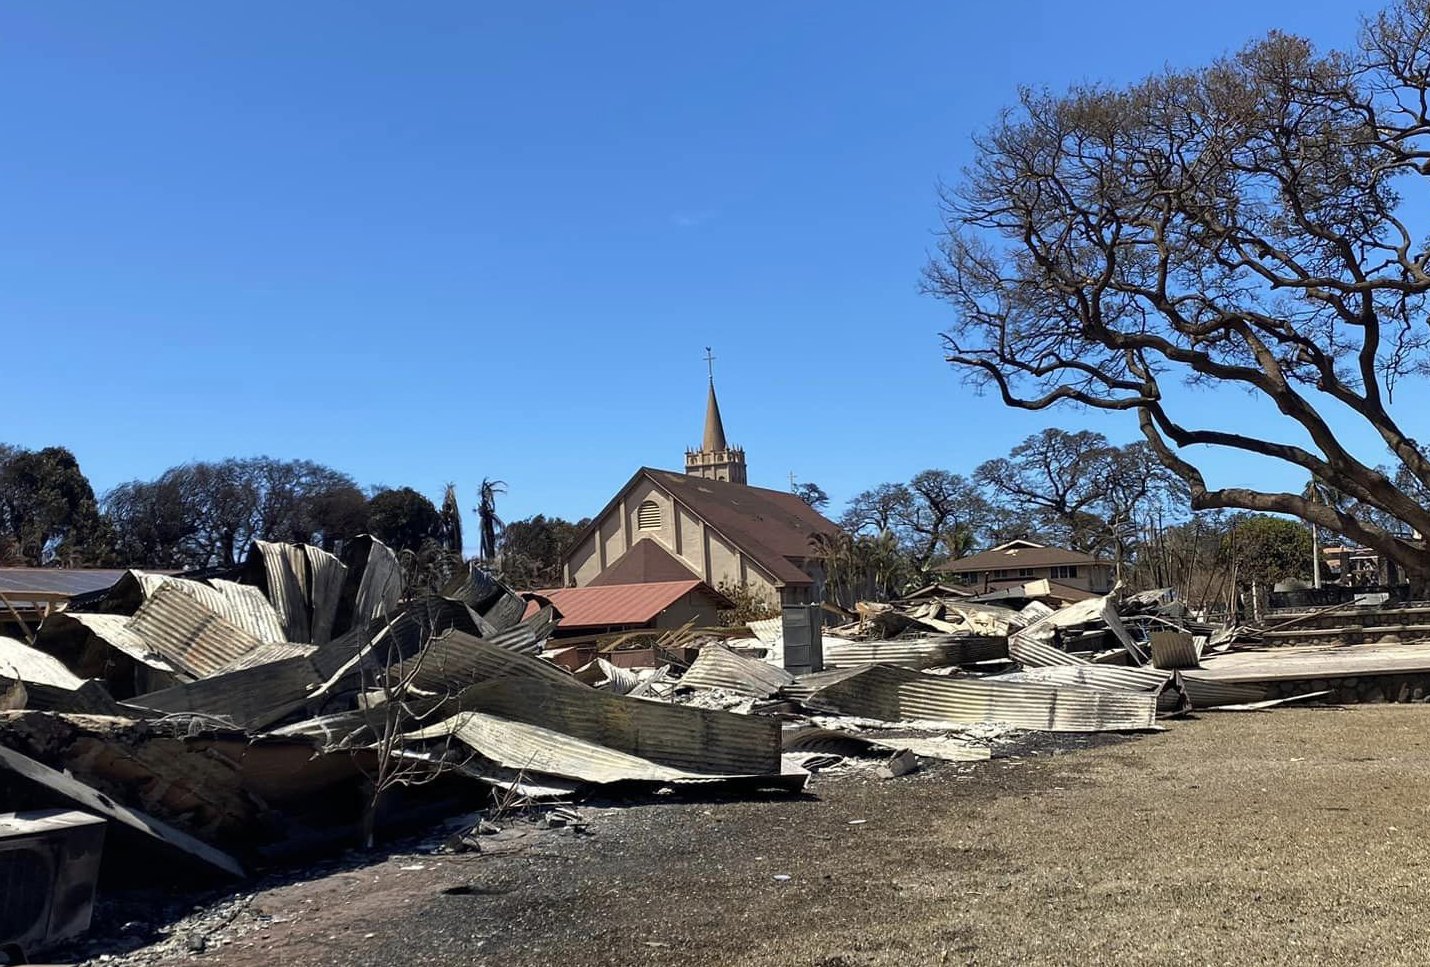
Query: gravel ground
(1294, 836)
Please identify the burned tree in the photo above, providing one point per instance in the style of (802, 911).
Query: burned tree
(1240, 226)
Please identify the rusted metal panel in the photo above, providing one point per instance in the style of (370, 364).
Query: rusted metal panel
(189, 636)
(897, 694)
(244, 606)
(719, 667)
(456, 659)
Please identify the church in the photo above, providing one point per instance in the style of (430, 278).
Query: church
(706, 523)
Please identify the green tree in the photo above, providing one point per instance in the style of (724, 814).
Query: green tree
(1267, 549)
(47, 508)
(1242, 226)
(532, 550)
(403, 519)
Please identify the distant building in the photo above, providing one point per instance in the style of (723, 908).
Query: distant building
(1018, 562)
(707, 524)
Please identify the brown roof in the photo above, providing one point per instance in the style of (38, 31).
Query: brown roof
(624, 604)
(1016, 554)
(646, 562)
(771, 526)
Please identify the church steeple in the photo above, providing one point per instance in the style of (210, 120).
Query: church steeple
(715, 459)
(714, 429)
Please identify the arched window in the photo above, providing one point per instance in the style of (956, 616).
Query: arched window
(648, 516)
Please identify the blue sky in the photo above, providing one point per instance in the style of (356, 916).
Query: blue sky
(443, 241)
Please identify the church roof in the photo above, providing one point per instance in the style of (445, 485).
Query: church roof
(714, 441)
(770, 526)
(646, 562)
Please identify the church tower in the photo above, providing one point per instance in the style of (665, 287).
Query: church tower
(715, 459)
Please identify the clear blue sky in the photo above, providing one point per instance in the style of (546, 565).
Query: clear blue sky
(441, 241)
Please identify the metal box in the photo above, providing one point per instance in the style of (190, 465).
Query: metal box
(804, 646)
(49, 863)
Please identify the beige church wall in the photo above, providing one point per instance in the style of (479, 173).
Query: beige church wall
(613, 538)
(584, 563)
(693, 607)
(665, 533)
(691, 548)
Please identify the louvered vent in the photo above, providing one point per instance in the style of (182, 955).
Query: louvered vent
(648, 516)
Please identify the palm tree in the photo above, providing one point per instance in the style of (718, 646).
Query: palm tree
(451, 524)
(487, 518)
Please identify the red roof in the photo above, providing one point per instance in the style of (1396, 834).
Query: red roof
(624, 604)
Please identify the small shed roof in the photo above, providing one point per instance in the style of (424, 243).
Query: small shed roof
(624, 604)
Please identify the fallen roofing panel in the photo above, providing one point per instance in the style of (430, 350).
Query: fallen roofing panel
(46, 684)
(456, 659)
(284, 571)
(190, 636)
(897, 694)
(915, 652)
(252, 698)
(86, 797)
(693, 740)
(531, 748)
(379, 587)
(326, 575)
(719, 667)
(244, 606)
(599, 673)
(1316, 662)
(1173, 649)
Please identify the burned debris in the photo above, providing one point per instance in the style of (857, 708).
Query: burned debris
(300, 702)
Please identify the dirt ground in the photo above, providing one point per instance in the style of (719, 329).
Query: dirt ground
(1293, 836)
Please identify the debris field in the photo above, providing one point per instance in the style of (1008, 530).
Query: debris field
(221, 724)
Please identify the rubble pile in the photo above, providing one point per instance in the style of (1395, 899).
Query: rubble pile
(299, 701)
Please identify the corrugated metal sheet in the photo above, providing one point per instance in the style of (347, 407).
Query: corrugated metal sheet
(285, 570)
(188, 635)
(599, 673)
(380, 586)
(1207, 693)
(454, 660)
(15, 581)
(617, 604)
(1173, 649)
(1030, 652)
(1141, 679)
(531, 748)
(326, 575)
(245, 607)
(719, 667)
(897, 694)
(915, 652)
(1317, 662)
(690, 739)
(253, 698)
(263, 654)
(19, 660)
(114, 630)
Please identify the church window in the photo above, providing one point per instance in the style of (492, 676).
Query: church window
(648, 516)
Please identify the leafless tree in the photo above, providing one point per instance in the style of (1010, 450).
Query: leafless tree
(1239, 226)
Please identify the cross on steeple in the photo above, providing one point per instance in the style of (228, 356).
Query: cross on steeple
(710, 363)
